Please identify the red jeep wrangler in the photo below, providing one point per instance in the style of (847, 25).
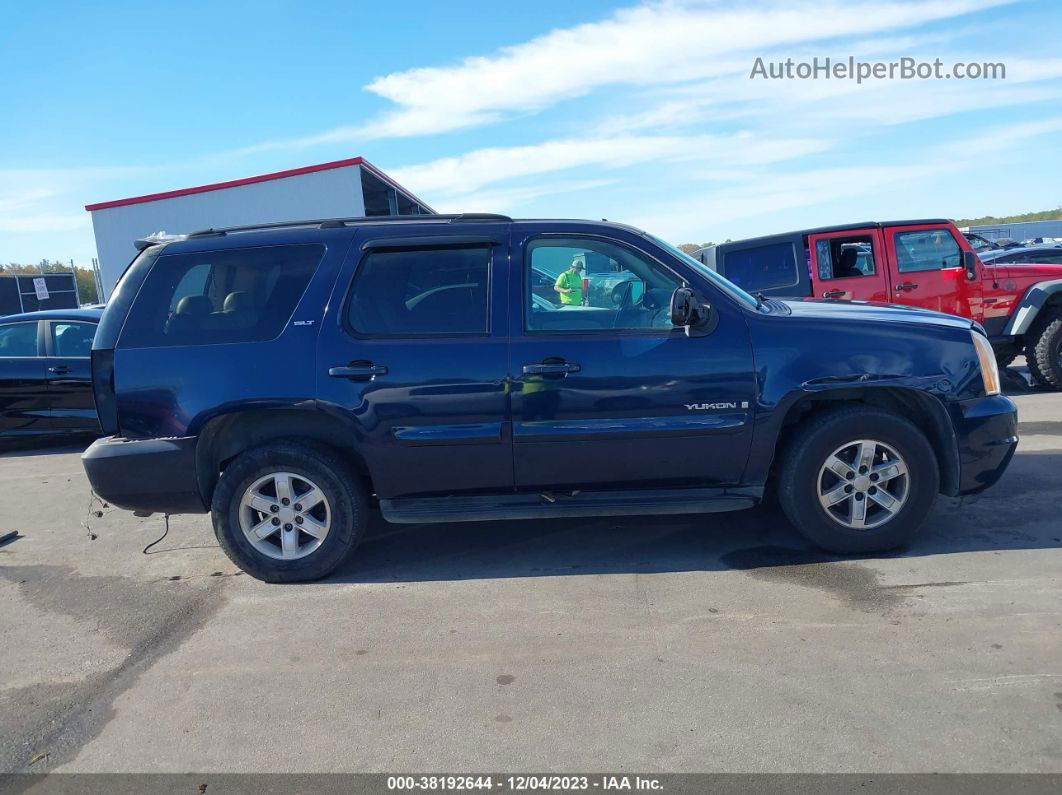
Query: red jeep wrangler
(923, 263)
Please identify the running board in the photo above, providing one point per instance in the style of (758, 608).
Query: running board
(546, 505)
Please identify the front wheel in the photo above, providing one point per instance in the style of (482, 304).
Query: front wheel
(288, 511)
(858, 479)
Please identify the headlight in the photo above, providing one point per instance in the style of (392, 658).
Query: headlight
(987, 357)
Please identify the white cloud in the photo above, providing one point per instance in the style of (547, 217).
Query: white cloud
(473, 170)
(744, 195)
(661, 43)
(504, 200)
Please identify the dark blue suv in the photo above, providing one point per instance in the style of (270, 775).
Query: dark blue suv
(473, 367)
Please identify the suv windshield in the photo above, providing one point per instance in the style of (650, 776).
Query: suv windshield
(722, 283)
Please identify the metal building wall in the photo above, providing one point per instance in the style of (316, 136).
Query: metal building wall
(320, 194)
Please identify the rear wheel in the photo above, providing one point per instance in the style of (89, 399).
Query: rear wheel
(858, 479)
(1044, 352)
(288, 512)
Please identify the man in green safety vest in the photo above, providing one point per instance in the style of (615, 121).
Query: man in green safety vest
(570, 284)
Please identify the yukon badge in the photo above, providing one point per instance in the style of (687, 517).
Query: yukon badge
(717, 406)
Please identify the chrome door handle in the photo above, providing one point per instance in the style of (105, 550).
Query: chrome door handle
(358, 370)
(906, 286)
(551, 368)
(833, 294)
(59, 370)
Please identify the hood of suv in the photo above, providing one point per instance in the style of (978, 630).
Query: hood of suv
(872, 312)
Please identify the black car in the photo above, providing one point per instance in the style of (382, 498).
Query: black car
(46, 374)
(1024, 255)
(280, 376)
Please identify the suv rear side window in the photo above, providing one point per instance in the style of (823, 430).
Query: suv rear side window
(928, 250)
(212, 297)
(845, 257)
(763, 267)
(420, 292)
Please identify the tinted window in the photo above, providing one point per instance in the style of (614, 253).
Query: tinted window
(845, 257)
(421, 292)
(594, 285)
(72, 339)
(18, 339)
(930, 250)
(763, 267)
(240, 295)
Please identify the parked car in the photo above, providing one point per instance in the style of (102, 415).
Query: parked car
(923, 263)
(45, 374)
(982, 244)
(1024, 255)
(280, 376)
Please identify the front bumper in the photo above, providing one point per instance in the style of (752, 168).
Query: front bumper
(154, 475)
(986, 430)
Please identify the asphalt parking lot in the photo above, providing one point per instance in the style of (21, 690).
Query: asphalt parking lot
(719, 643)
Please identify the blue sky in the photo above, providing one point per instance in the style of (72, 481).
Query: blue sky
(643, 113)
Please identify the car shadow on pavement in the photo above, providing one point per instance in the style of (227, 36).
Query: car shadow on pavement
(1020, 512)
(20, 449)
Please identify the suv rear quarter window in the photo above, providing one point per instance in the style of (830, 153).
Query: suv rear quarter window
(212, 297)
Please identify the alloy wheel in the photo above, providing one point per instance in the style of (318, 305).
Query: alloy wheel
(863, 484)
(285, 516)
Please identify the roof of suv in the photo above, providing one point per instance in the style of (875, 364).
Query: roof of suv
(395, 220)
(765, 239)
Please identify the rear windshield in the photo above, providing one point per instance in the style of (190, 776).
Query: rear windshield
(763, 267)
(211, 297)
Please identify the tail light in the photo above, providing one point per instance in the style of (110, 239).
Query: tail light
(103, 390)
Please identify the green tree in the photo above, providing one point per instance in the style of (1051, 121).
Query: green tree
(689, 248)
(1041, 215)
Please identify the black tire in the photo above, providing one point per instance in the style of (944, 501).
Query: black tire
(1004, 359)
(343, 490)
(1044, 351)
(811, 445)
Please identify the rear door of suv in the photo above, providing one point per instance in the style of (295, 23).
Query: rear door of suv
(849, 265)
(413, 353)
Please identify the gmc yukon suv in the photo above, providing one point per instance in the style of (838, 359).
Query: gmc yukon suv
(281, 377)
(923, 263)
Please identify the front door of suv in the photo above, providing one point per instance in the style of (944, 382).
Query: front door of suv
(606, 392)
(927, 271)
(413, 355)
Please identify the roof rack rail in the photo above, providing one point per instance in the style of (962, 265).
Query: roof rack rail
(338, 223)
(479, 217)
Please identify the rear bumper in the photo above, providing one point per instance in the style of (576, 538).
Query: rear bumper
(156, 475)
(987, 433)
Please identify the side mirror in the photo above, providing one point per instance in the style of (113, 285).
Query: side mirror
(688, 310)
(969, 261)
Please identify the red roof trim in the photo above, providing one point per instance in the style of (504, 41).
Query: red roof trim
(235, 183)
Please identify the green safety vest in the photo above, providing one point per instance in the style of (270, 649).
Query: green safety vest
(574, 282)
